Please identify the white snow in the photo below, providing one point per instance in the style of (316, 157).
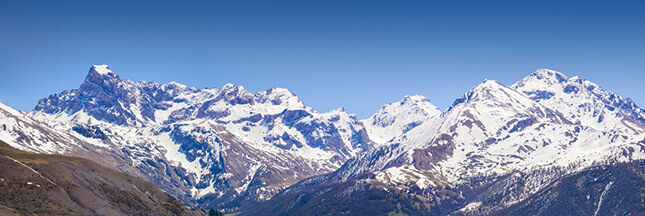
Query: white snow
(163, 115)
(470, 207)
(173, 154)
(480, 127)
(607, 187)
(393, 119)
(102, 69)
(405, 175)
(10, 110)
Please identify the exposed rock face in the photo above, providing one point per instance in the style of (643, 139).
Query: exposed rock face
(221, 148)
(104, 96)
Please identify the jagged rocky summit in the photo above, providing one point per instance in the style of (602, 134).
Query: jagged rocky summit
(219, 147)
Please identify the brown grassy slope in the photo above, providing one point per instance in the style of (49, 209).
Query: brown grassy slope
(61, 185)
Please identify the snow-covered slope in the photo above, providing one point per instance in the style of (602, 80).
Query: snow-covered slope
(25, 133)
(494, 130)
(395, 119)
(583, 102)
(495, 146)
(208, 146)
(21, 131)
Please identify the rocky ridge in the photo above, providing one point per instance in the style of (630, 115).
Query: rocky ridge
(218, 147)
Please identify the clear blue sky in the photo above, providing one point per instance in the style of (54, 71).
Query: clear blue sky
(355, 54)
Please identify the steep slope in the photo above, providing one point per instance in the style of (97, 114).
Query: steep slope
(220, 148)
(597, 190)
(494, 129)
(23, 132)
(59, 185)
(615, 189)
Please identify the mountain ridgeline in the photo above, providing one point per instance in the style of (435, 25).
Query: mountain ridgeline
(497, 150)
(216, 148)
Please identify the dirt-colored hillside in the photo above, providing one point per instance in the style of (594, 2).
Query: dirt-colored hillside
(38, 184)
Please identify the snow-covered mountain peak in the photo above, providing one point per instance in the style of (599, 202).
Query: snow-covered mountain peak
(486, 86)
(339, 110)
(548, 74)
(232, 88)
(415, 99)
(489, 84)
(279, 99)
(414, 102)
(99, 73)
(276, 92)
(200, 130)
(582, 101)
(486, 116)
(174, 88)
(280, 91)
(395, 119)
(101, 84)
(235, 94)
(101, 69)
(544, 77)
(493, 93)
(174, 84)
(274, 98)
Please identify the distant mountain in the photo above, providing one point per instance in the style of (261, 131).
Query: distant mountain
(216, 148)
(496, 129)
(59, 185)
(512, 140)
(395, 119)
(583, 102)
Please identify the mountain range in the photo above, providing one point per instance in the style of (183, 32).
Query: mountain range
(495, 150)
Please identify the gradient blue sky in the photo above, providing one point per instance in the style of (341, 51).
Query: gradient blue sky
(355, 54)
